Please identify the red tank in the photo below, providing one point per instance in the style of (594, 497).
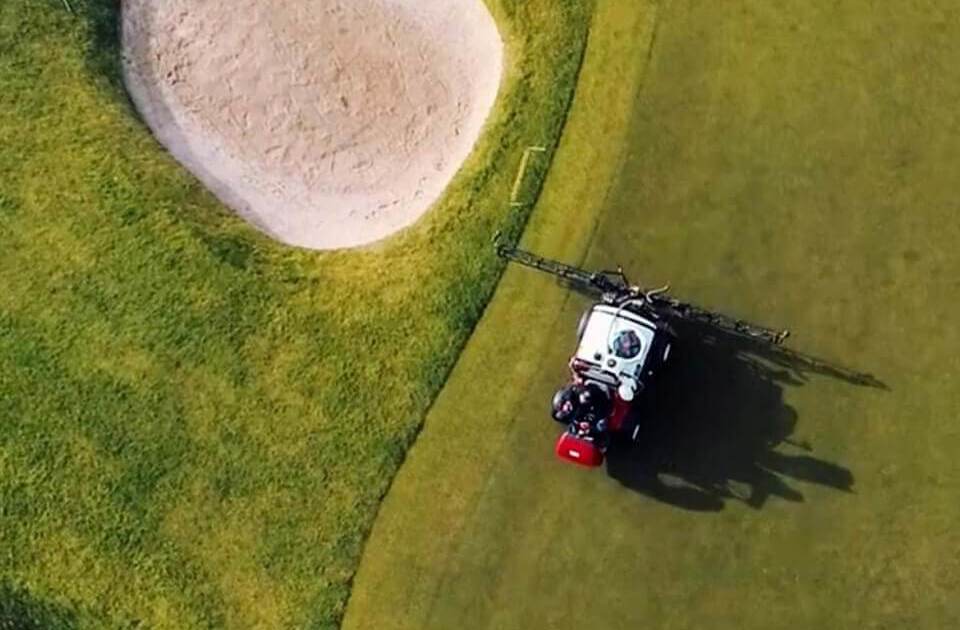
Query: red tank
(579, 451)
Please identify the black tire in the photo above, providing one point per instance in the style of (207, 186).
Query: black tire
(582, 324)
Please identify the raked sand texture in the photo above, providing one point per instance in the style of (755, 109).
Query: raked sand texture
(325, 123)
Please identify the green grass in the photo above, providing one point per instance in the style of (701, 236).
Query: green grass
(794, 164)
(197, 424)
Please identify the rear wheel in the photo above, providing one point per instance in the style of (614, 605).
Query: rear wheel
(582, 324)
(629, 433)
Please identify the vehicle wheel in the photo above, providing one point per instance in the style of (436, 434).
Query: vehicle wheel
(622, 441)
(582, 324)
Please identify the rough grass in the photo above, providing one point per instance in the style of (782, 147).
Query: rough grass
(792, 163)
(197, 424)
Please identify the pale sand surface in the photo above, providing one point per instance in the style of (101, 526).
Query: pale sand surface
(325, 123)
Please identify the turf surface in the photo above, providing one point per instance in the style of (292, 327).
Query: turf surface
(197, 424)
(792, 163)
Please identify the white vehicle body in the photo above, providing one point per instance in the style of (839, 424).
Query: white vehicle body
(615, 344)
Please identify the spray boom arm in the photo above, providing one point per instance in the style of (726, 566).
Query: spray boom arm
(615, 289)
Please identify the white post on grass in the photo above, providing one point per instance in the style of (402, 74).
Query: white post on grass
(524, 161)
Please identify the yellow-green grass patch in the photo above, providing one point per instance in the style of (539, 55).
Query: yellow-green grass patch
(197, 424)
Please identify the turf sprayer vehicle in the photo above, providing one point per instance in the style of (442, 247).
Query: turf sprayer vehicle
(624, 340)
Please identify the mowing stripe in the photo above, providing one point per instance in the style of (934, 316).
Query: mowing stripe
(411, 556)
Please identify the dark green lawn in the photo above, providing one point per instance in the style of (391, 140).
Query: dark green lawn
(783, 162)
(189, 436)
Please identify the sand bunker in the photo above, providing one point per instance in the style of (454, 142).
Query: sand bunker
(326, 123)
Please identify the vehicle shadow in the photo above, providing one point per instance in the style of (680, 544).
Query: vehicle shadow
(709, 430)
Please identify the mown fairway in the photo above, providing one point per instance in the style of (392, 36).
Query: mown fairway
(197, 424)
(788, 163)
